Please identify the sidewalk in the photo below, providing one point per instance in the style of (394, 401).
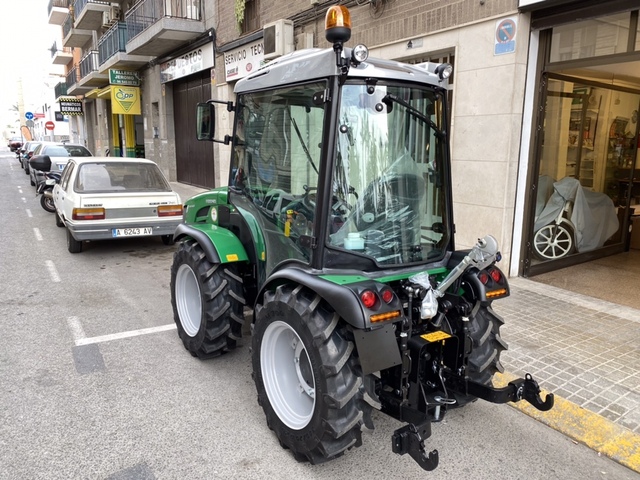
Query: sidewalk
(584, 350)
(587, 352)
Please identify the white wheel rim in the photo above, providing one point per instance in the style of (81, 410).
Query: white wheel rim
(188, 300)
(287, 375)
(553, 241)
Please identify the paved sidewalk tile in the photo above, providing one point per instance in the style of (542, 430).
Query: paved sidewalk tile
(582, 349)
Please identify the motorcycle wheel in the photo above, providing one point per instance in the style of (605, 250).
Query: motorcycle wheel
(47, 203)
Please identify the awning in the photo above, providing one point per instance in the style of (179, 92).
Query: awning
(103, 93)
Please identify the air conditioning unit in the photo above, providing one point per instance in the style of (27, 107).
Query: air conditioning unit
(111, 16)
(277, 38)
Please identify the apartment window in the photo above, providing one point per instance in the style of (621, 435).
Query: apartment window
(251, 20)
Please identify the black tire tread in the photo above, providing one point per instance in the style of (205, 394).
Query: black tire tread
(344, 411)
(223, 303)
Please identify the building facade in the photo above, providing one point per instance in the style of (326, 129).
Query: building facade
(538, 98)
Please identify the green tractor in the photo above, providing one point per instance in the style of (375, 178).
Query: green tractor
(336, 229)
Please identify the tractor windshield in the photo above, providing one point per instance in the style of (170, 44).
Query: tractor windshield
(389, 201)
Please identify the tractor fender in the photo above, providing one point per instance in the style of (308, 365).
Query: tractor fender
(377, 348)
(342, 299)
(220, 245)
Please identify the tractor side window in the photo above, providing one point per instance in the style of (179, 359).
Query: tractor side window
(277, 152)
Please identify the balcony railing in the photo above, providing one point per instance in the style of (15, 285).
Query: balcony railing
(147, 12)
(112, 42)
(89, 63)
(79, 5)
(72, 77)
(60, 90)
(57, 3)
(67, 26)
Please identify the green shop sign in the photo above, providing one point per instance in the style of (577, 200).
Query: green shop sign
(124, 77)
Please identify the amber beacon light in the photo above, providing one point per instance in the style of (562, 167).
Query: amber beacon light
(337, 24)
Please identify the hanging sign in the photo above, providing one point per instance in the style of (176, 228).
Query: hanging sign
(125, 100)
(194, 61)
(70, 106)
(123, 77)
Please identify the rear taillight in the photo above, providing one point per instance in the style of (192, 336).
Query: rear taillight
(169, 210)
(495, 275)
(88, 214)
(368, 298)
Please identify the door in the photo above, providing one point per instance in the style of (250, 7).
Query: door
(194, 159)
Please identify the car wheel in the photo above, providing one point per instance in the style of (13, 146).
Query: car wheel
(33, 184)
(73, 245)
(26, 168)
(59, 222)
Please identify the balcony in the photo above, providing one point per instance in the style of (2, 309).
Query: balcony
(158, 26)
(58, 11)
(73, 82)
(61, 56)
(73, 37)
(89, 74)
(60, 90)
(90, 14)
(112, 51)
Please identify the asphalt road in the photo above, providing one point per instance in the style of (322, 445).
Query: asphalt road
(95, 384)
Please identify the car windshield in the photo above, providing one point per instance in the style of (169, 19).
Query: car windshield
(66, 151)
(120, 177)
(388, 200)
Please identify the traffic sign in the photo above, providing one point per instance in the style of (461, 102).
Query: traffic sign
(28, 116)
(49, 125)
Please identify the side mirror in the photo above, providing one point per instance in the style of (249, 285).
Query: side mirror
(206, 121)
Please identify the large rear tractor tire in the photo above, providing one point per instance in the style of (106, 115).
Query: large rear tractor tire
(207, 301)
(307, 375)
(484, 360)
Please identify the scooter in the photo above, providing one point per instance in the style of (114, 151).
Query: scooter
(45, 188)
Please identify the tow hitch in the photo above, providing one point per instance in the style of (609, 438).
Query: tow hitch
(410, 439)
(520, 389)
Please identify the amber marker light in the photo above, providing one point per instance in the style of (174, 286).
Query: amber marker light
(169, 210)
(381, 317)
(496, 293)
(88, 214)
(337, 24)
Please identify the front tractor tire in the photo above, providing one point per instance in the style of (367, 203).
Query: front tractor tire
(207, 301)
(307, 375)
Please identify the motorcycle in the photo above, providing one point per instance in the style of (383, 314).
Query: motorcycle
(45, 188)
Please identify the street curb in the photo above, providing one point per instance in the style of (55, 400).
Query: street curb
(593, 430)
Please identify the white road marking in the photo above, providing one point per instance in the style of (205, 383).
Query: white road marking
(76, 329)
(121, 335)
(19, 189)
(36, 230)
(29, 213)
(24, 200)
(53, 272)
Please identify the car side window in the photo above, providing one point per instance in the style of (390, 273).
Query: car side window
(64, 181)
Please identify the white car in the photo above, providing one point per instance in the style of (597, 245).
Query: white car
(100, 198)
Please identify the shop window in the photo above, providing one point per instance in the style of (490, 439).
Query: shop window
(591, 38)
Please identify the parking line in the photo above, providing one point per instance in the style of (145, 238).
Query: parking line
(29, 213)
(53, 272)
(24, 200)
(121, 335)
(76, 329)
(36, 230)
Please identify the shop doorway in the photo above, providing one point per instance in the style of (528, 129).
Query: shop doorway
(587, 182)
(194, 159)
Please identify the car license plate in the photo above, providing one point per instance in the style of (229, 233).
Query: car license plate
(132, 232)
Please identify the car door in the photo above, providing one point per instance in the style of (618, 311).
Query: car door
(61, 198)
